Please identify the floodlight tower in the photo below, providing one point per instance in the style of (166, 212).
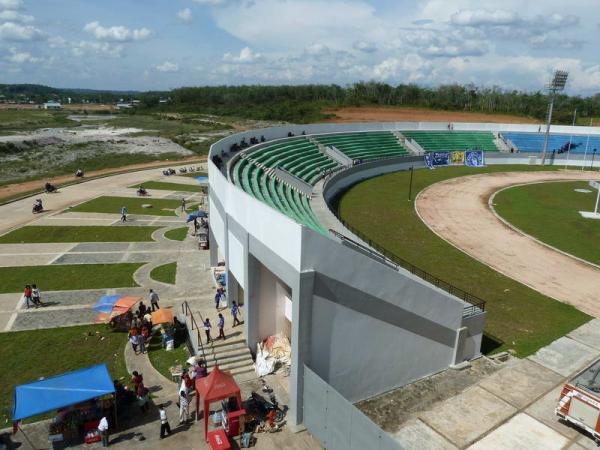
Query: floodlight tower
(559, 80)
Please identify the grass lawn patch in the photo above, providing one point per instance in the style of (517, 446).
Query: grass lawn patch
(521, 318)
(26, 119)
(68, 277)
(165, 186)
(193, 174)
(39, 234)
(29, 355)
(165, 273)
(160, 207)
(550, 213)
(163, 360)
(177, 234)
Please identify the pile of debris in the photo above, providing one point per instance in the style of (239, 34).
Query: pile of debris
(273, 355)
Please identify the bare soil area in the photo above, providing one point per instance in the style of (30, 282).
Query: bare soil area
(457, 210)
(402, 114)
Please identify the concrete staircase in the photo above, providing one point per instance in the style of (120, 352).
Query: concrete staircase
(231, 355)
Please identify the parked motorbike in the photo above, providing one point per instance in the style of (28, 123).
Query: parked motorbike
(262, 407)
(37, 206)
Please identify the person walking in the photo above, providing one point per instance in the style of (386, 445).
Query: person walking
(184, 408)
(103, 429)
(207, 327)
(133, 340)
(221, 325)
(141, 343)
(234, 312)
(164, 422)
(217, 299)
(183, 204)
(27, 295)
(137, 379)
(123, 214)
(154, 300)
(35, 296)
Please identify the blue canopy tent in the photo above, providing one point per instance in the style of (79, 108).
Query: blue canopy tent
(197, 214)
(62, 390)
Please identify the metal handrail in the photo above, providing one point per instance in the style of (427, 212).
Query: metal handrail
(476, 304)
(186, 310)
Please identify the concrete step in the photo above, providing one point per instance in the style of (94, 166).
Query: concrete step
(240, 358)
(244, 364)
(231, 356)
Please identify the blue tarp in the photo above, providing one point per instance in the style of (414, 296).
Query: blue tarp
(106, 303)
(62, 390)
(201, 178)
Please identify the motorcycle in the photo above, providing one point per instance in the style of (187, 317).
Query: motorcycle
(141, 192)
(37, 207)
(79, 173)
(263, 408)
(50, 188)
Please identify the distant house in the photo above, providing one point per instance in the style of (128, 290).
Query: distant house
(124, 105)
(163, 100)
(52, 104)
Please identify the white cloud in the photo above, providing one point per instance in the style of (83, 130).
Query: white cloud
(247, 55)
(11, 31)
(167, 66)
(10, 15)
(479, 17)
(209, 2)
(11, 4)
(88, 48)
(547, 41)
(185, 15)
(366, 47)
(17, 57)
(116, 33)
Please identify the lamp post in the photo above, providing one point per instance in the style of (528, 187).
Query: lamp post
(410, 184)
(559, 80)
(593, 155)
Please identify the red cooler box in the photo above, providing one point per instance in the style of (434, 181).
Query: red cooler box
(218, 440)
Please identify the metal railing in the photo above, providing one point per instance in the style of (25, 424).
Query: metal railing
(186, 310)
(376, 251)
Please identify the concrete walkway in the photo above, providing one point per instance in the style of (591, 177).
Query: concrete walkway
(513, 408)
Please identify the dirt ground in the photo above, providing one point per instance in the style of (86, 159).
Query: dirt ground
(12, 190)
(457, 210)
(401, 114)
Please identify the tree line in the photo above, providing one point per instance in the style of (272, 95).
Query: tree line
(305, 103)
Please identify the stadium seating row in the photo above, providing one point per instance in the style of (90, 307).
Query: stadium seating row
(365, 146)
(534, 142)
(453, 140)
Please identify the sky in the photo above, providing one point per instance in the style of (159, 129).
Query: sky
(164, 44)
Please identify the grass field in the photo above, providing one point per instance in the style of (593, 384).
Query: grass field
(550, 213)
(68, 277)
(177, 234)
(160, 207)
(520, 317)
(38, 234)
(162, 360)
(26, 119)
(193, 174)
(29, 355)
(164, 186)
(165, 273)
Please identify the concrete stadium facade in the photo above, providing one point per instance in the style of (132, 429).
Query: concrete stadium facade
(361, 325)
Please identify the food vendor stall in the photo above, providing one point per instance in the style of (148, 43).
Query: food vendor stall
(81, 398)
(116, 310)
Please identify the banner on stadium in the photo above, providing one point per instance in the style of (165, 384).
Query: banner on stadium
(428, 160)
(457, 157)
(474, 158)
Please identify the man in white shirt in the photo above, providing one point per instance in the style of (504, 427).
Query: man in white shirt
(154, 300)
(164, 422)
(103, 429)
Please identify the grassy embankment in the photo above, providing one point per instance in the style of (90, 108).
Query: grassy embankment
(166, 186)
(520, 319)
(177, 234)
(550, 213)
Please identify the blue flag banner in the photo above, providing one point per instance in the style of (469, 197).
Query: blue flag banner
(474, 158)
(428, 160)
(440, 158)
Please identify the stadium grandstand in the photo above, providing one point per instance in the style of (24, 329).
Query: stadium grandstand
(559, 143)
(300, 272)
